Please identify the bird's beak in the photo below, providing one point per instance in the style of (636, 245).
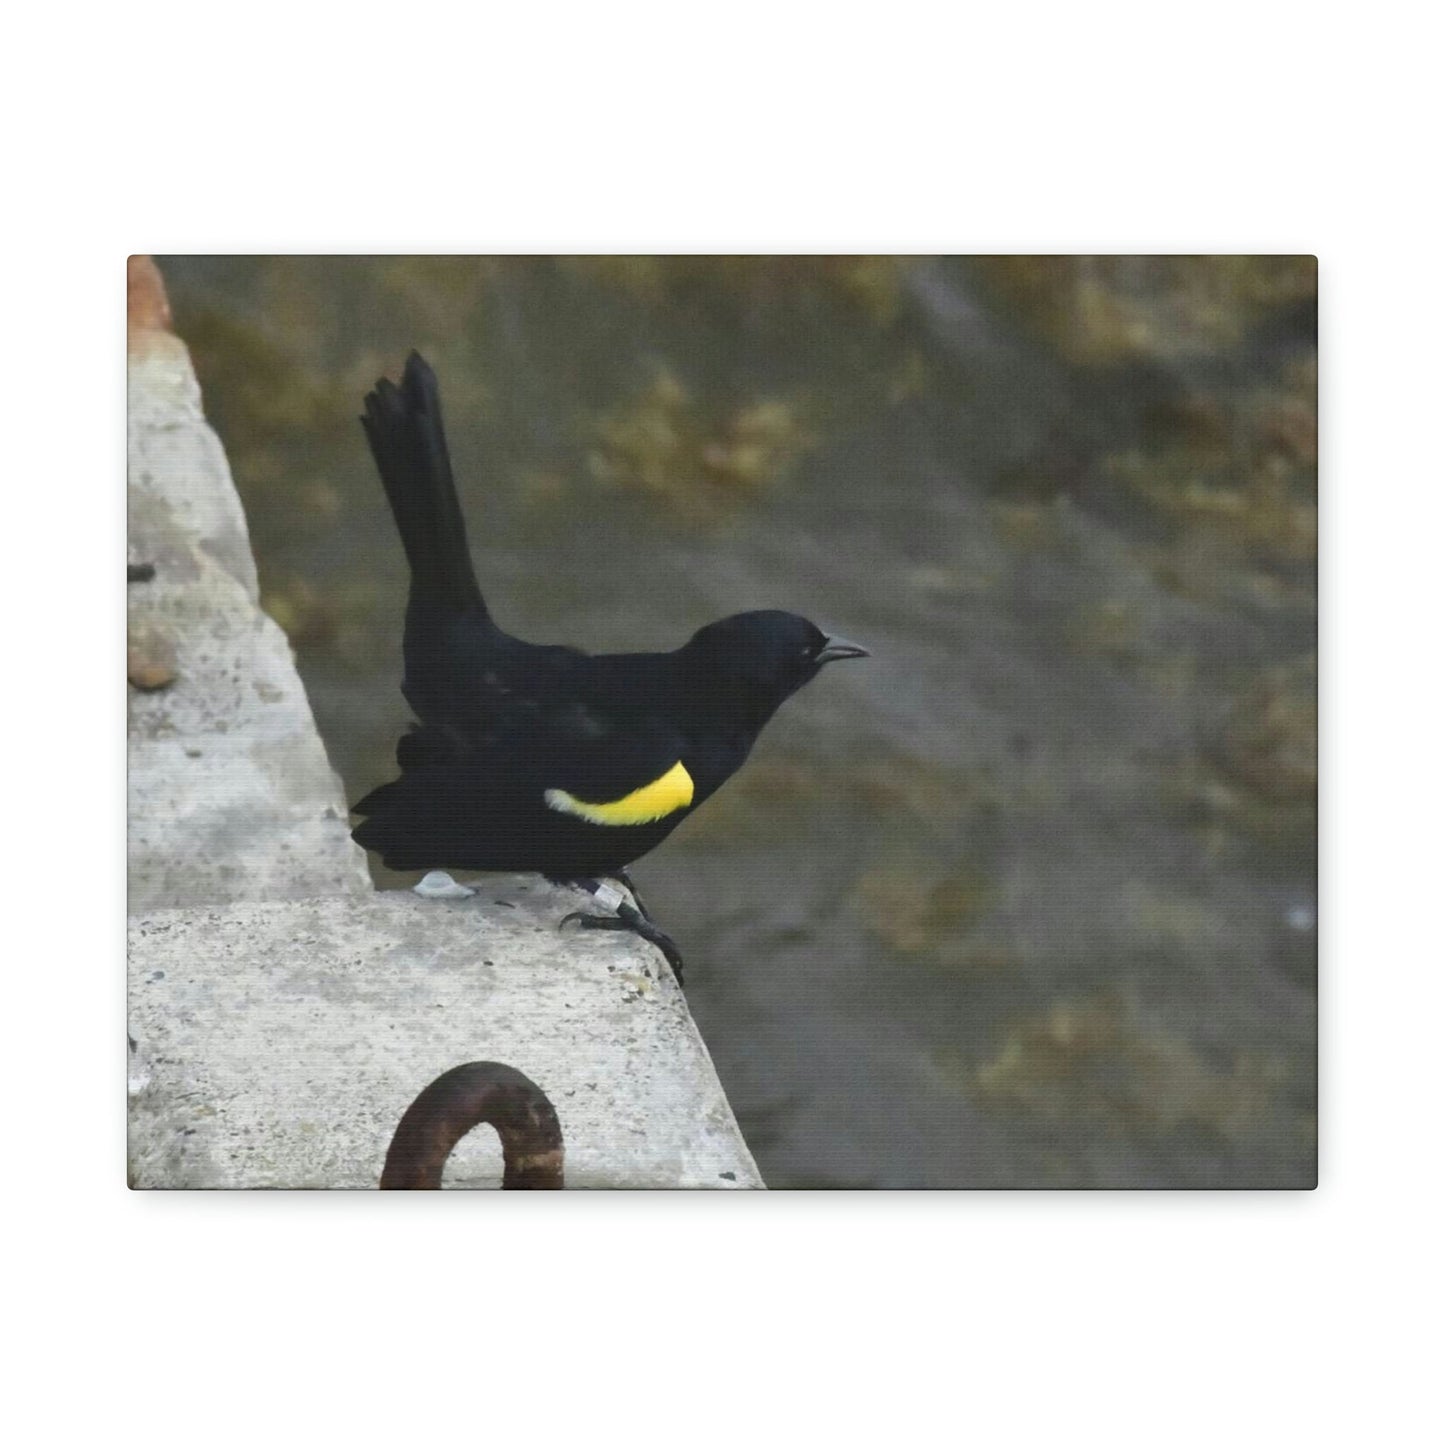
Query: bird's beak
(837, 648)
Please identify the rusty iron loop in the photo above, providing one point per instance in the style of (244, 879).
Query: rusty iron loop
(453, 1105)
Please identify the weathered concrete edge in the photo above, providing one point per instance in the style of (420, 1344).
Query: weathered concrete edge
(231, 794)
(230, 1089)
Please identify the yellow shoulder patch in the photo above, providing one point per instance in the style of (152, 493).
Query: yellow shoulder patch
(673, 790)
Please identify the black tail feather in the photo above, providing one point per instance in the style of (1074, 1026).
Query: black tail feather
(404, 427)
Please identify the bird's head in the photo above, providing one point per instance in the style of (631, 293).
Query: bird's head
(750, 663)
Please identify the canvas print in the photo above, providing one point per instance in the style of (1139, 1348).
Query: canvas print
(722, 722)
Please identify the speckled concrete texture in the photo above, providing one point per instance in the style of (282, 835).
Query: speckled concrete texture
(277, 1044)
(231, 795)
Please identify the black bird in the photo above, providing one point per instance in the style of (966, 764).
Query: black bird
(545, 759)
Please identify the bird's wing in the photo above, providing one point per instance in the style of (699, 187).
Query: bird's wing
(477, 678)
(572, 758)
(613, 771)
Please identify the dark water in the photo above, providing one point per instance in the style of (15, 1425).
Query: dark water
(1028, 898)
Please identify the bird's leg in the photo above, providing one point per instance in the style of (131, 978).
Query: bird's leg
(625, 916)
(624, 877)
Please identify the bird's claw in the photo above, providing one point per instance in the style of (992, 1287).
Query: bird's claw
(631, 920)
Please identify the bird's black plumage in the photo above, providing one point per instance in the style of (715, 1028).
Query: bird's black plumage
(547, 759)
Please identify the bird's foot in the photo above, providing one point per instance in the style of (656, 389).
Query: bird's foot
(438, 884)
(628, 919)
(625, 917)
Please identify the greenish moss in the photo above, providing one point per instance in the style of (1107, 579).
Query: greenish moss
(913, 909)
(1103, 310)
(1098, 1059)
(663, 443)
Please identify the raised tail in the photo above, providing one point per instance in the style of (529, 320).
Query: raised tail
(404, 427)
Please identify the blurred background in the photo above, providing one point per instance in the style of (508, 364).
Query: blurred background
(1027, 899)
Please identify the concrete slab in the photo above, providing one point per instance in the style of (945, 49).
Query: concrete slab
(231, 795)
(277, 1044)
